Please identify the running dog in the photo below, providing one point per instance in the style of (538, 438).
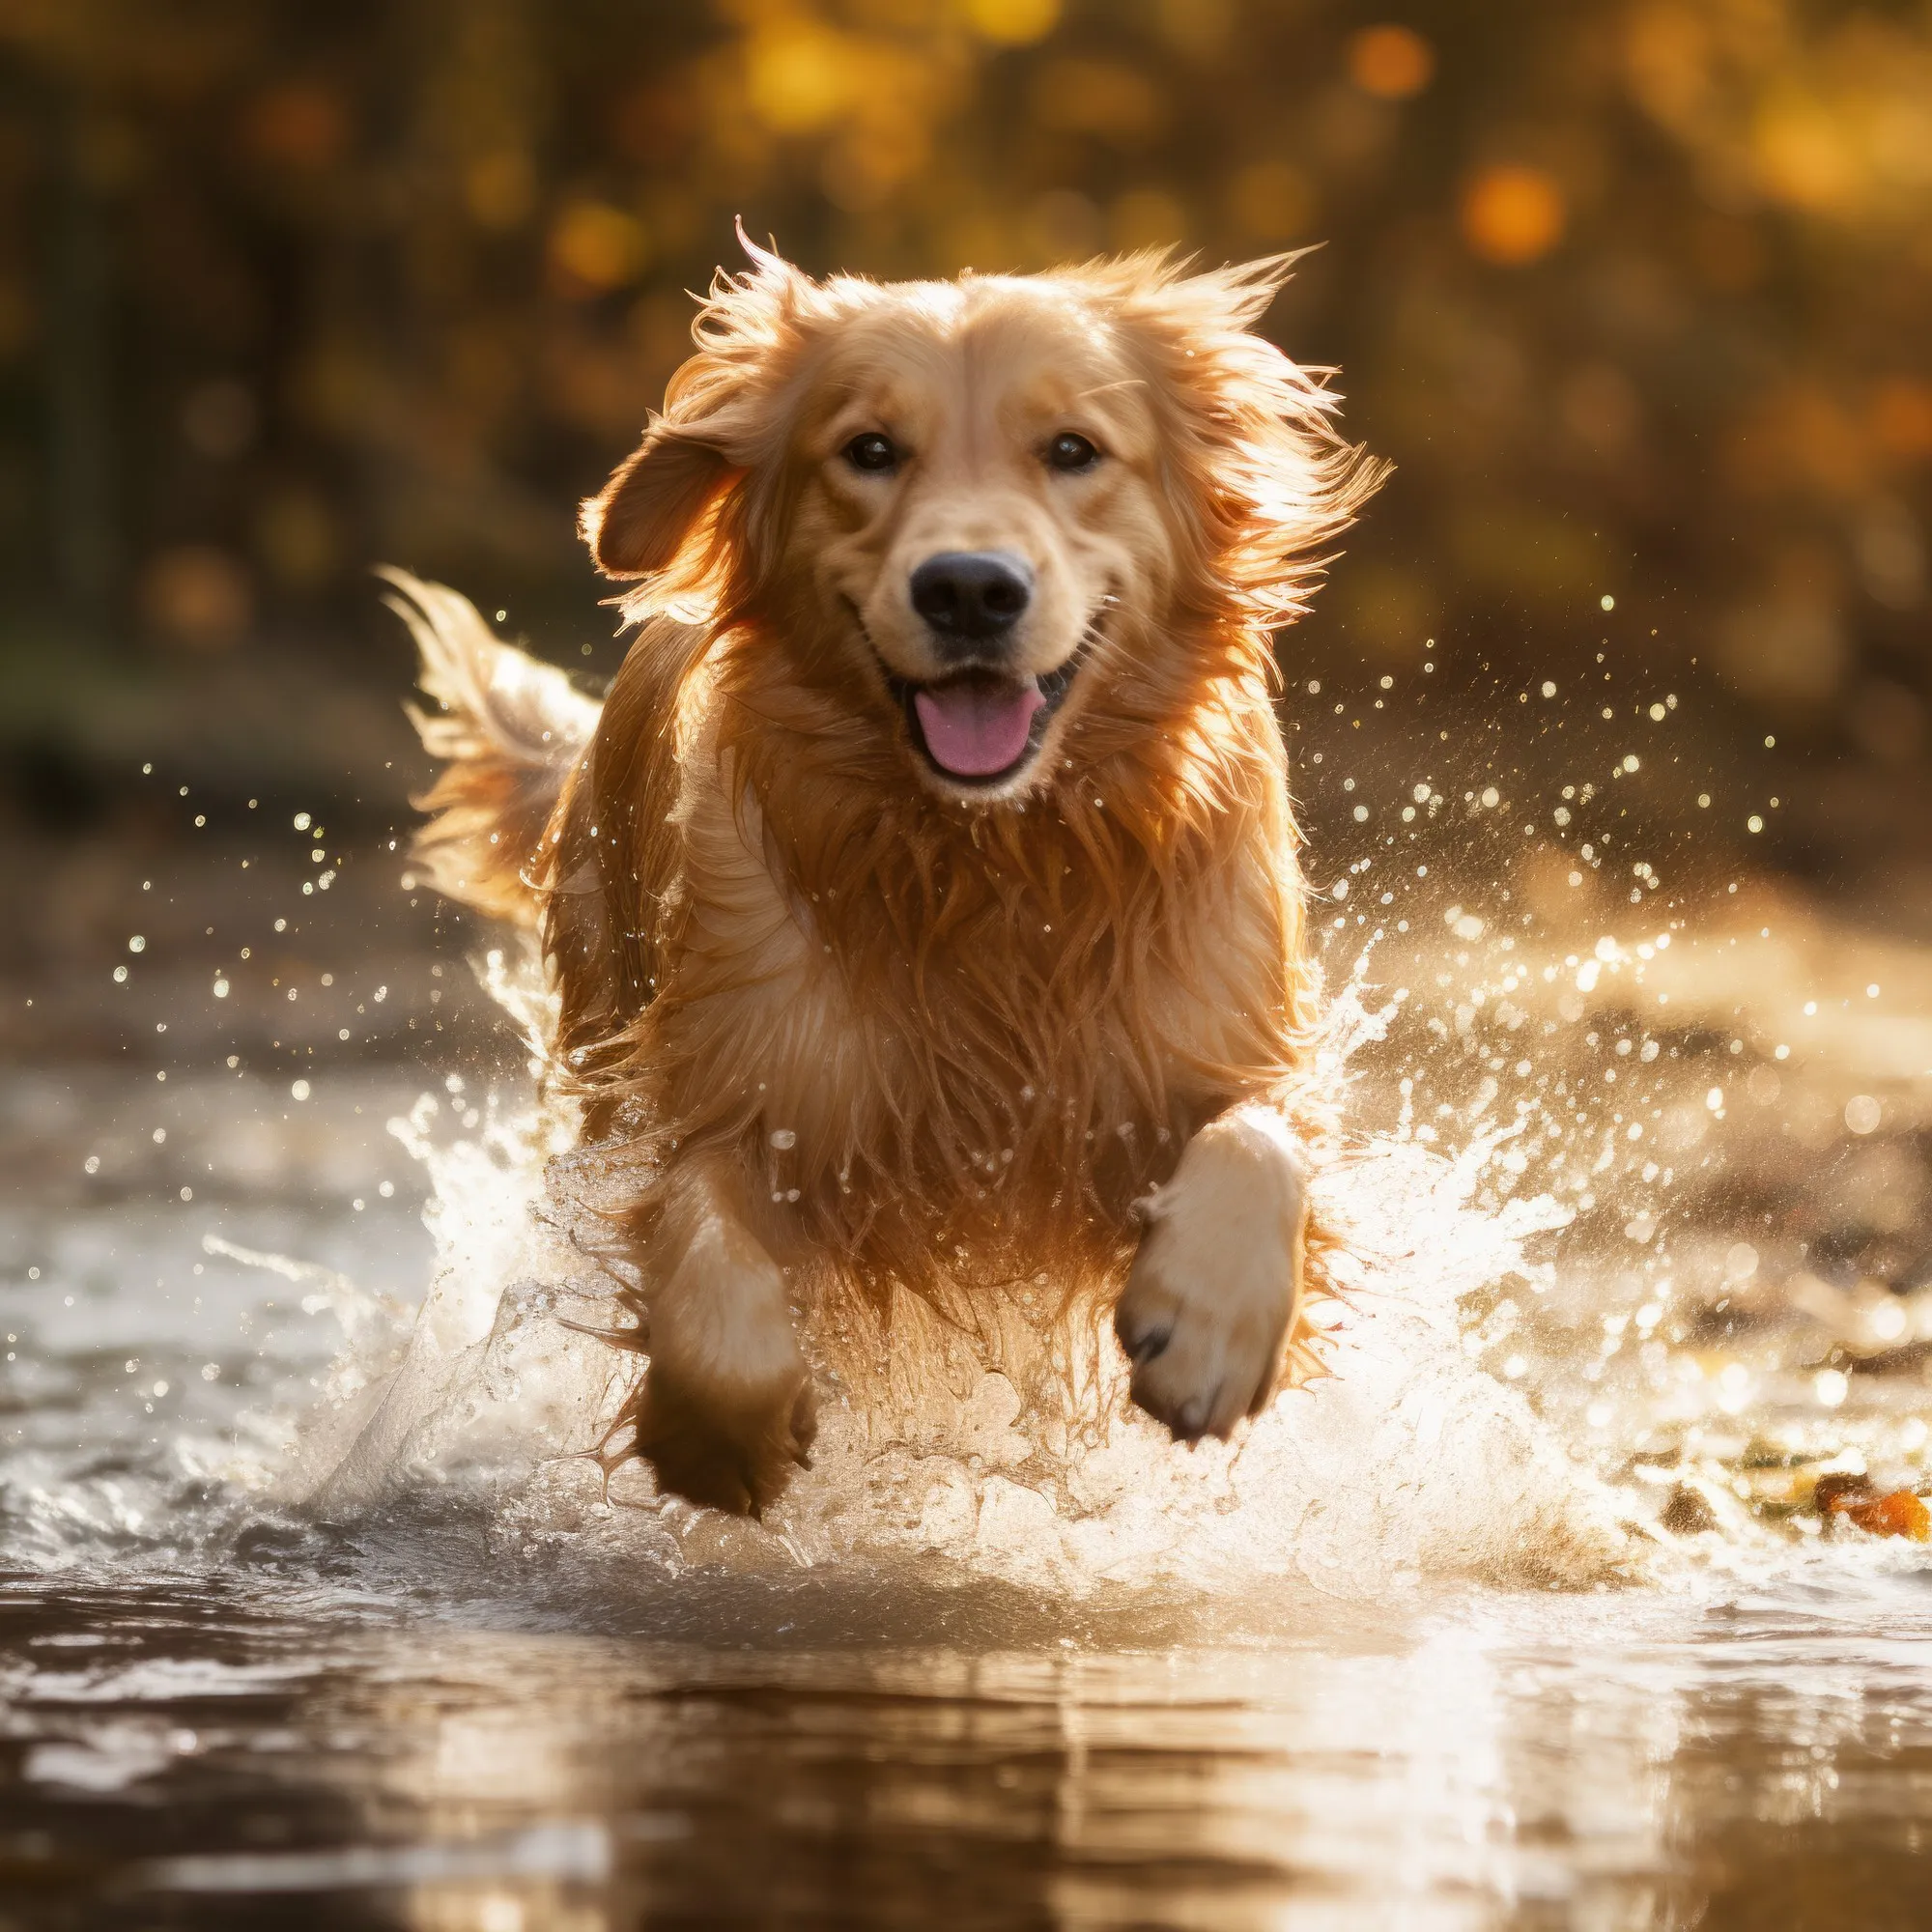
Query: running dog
(922, 902)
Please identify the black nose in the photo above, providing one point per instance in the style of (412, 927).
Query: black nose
(973, 595)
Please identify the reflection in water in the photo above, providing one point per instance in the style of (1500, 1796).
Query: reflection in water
(1475, 1759)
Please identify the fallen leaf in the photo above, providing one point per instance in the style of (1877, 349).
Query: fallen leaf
(1899, 1513)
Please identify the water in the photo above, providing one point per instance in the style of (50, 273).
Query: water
(313, 1610)
(804, 1756)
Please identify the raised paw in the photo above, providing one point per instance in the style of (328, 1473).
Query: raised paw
(1213, 1290)
(731, 1449)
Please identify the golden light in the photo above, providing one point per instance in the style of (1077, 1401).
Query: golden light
(1667, 56)
(798, 77)
(1013, 23)
(1801, 156)
(1390, 62)
(598, 245)
(1901, 416)
(1512, 215)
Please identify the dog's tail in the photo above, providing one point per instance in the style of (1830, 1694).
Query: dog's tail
(509, 731)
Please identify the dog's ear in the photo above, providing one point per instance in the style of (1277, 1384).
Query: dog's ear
(665, 515)
(1259, 480)
(636, 524)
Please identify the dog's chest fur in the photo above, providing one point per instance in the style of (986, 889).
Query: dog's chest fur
(980, 1028)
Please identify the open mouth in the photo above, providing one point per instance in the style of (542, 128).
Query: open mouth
(979, 727)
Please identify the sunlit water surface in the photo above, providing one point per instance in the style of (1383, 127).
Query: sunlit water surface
(313, 1610)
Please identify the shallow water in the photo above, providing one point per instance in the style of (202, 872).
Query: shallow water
(819, 1753)
(310, 1614)
(874, 1753)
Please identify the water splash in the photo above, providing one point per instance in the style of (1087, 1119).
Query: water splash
(1411, 1460)
(1630, 1200)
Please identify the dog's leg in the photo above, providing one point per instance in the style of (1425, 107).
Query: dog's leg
(727, 1410)
(1214, 1287)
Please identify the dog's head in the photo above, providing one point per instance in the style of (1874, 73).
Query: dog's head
(977, 513)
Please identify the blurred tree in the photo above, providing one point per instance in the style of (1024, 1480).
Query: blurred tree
(1637, 293)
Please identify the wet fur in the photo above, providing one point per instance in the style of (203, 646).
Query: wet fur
(898, 1043)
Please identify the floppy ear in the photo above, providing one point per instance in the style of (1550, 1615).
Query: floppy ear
(674, 514)
(636, 524)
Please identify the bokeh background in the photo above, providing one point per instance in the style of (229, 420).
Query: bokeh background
(1636, 293)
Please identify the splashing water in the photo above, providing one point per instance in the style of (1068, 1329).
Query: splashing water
(1531, 1382)
(1525, 1385)
(1627, 1273)
(1411, 1459)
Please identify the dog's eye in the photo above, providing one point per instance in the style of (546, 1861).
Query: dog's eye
(1068, 451)
(872, 451)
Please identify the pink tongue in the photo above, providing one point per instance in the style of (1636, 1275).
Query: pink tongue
(978, 727)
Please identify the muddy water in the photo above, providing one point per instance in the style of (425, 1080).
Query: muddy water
(1537, 1614)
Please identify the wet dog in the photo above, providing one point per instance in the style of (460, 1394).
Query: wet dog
(923, 901)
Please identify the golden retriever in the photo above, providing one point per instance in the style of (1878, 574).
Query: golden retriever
(923, 903)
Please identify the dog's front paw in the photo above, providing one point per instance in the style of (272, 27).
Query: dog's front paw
(1213, 1290)
(728, 1448)
(727, 1411)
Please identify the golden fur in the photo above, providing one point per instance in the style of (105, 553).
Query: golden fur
(846, 1028)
